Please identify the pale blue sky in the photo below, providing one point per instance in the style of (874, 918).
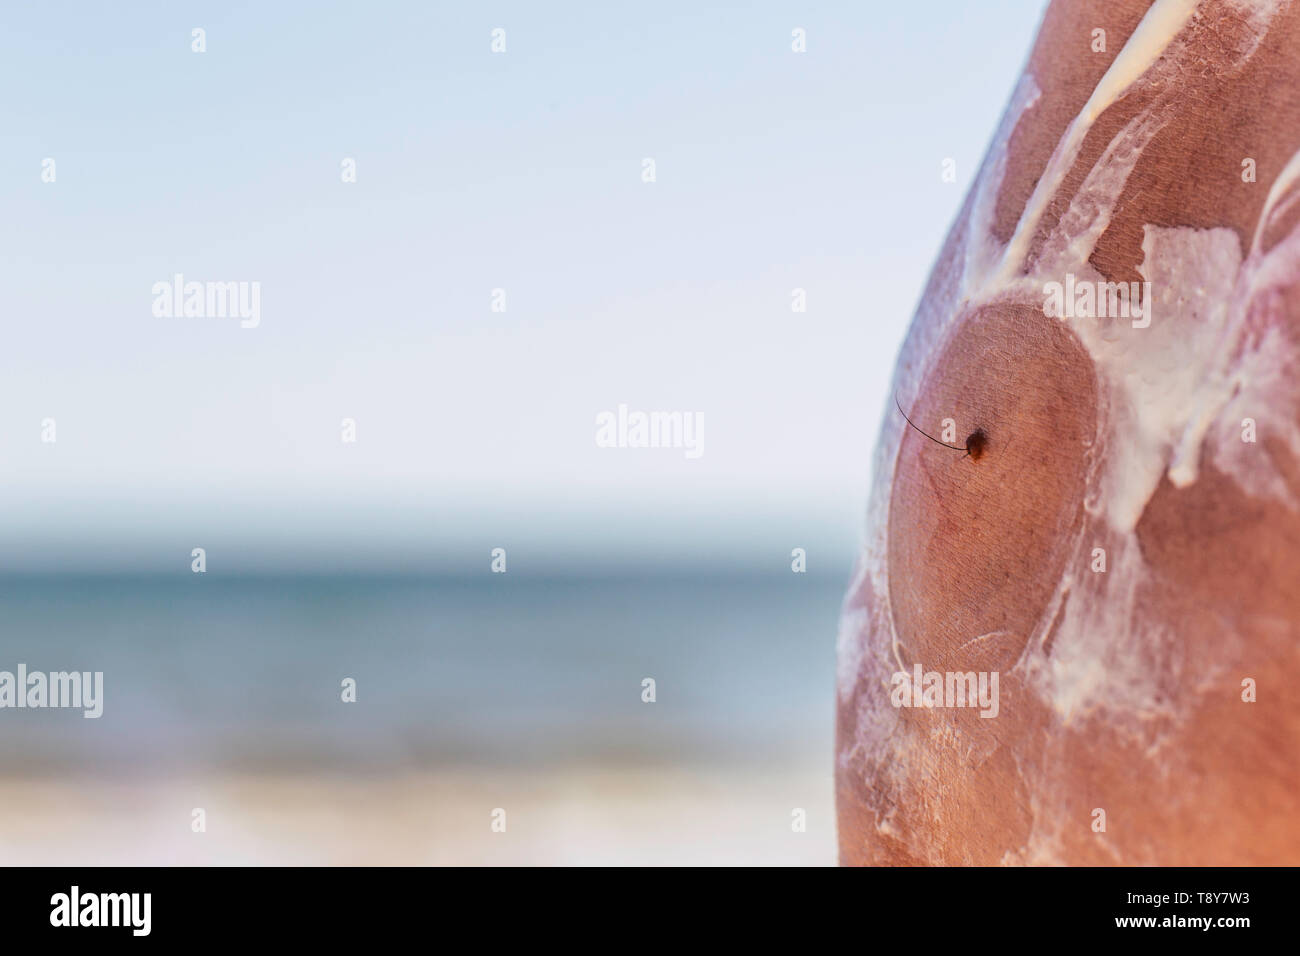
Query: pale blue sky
(476, 171)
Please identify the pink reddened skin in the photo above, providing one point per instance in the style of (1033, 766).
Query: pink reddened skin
(1120, 541)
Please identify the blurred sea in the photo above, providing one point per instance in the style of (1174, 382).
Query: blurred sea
(532, 685)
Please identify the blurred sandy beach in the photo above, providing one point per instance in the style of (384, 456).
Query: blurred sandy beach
(577, 817)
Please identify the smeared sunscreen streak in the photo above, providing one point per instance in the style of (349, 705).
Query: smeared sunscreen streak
(1162, 22)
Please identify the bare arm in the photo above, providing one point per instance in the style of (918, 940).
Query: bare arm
(1127, 551)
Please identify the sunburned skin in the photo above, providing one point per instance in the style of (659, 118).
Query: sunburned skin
(1124, 551)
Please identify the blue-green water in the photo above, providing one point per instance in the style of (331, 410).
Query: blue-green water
(205, 671)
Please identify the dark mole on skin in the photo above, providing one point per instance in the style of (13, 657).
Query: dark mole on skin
(976, 442)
